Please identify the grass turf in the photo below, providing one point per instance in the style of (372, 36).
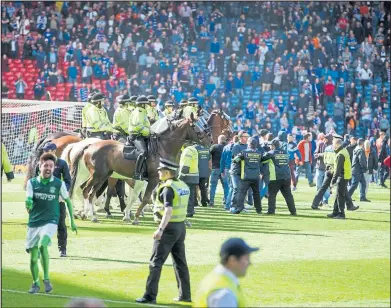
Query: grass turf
(307, 260)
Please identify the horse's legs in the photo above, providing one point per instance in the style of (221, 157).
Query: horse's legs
(133, 194)
(110, 190)
(120, 188)
(152, 182)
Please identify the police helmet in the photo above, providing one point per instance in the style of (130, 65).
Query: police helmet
(133, 99)
(183, 102)
(151, 98)
(124, 99)
(98, 97)
(275, 142)
(193, 101)
(169, 103)
(91, 94)
(142, 100)
(253, 142)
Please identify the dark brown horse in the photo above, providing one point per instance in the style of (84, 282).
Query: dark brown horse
(220, 124)
(60, 139)
(105, 157)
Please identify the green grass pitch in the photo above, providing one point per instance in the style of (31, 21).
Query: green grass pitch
(307, 260)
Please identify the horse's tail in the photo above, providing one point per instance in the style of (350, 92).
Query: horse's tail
(74, 166)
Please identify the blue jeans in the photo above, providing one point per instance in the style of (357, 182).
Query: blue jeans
(358, 180)
(263, 188)
(214, 179)
(228, 199)
(235, 189)
(307, 166)
(319, 175)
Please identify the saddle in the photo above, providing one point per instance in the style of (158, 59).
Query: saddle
(130, 151)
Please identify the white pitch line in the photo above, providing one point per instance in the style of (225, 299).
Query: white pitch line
(79, 297)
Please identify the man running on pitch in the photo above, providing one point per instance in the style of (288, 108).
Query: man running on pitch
(43, 206)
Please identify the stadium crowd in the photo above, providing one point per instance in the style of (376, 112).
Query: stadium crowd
(299, 66)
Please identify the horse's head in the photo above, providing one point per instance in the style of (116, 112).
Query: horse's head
(220, 123)
(192, 129)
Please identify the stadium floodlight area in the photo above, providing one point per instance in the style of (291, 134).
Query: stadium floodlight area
(24, 122)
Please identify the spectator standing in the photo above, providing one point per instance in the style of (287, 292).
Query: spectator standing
(305, 162)
(20, 86)
(359, 168)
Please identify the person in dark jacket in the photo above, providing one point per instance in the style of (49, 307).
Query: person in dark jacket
(292, 152)
(359, 168)
(320, 165)
(216, 152)
(225, 165)
(383, 154)
(372, 162)
(235, 168)
(250, 161)
(351, 146)
(280, 177)
(61, 171)
(203, 169)
(342, 174)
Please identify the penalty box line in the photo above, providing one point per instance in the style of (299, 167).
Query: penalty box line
(79, 297)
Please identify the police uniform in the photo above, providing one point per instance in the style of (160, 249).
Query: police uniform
(153, 114)
(191, 107)
(84, 112)
(280, 177)
(329, 160)
(342, 174)
(170, 193)
(139, 132)
(188, 173)
(5, 164)
(97, 121)
(203, 169)
(167, 112)
(250, 169)
(121, 118)
(220, 288)
(132, 103)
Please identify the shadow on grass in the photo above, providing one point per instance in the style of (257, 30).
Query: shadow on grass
(18, 281)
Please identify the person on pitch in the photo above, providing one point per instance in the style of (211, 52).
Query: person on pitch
(43, 206)
(172, 196)
(139, 132)
(121, 118)
(5, 164)
(220, 288)
(98, 123)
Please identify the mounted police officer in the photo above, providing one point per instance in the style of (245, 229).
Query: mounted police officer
(84, 112)
(152, 112)
(172, 197)
(97, 122)
(280, 177)
(188, 173)
(250, 160)
(132, 103)
(191, 107)
(182, 106)
(139, 131)
(168, 109)
(121, 118)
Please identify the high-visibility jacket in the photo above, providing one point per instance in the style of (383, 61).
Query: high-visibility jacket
(152, 113)
(347, 166)
(329, 156)
(179, 206)
(5, 163)
(121, 119)
(139, 123)
(97, 120)
(131, 107)
(33, 136)
(189, 158)
(215, 281)
(188, 110)
(84, 112)
(168, 113)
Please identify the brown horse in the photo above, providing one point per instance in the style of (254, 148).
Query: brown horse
(105, 157)
(60, 139)
(219, 123)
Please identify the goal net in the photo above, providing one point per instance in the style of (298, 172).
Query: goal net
(24, 122)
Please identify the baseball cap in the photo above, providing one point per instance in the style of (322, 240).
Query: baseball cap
(253, 142)
(49, 147)
(336, 136)
(235, 247)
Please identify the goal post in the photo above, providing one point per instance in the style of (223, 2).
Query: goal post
(24, 122)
